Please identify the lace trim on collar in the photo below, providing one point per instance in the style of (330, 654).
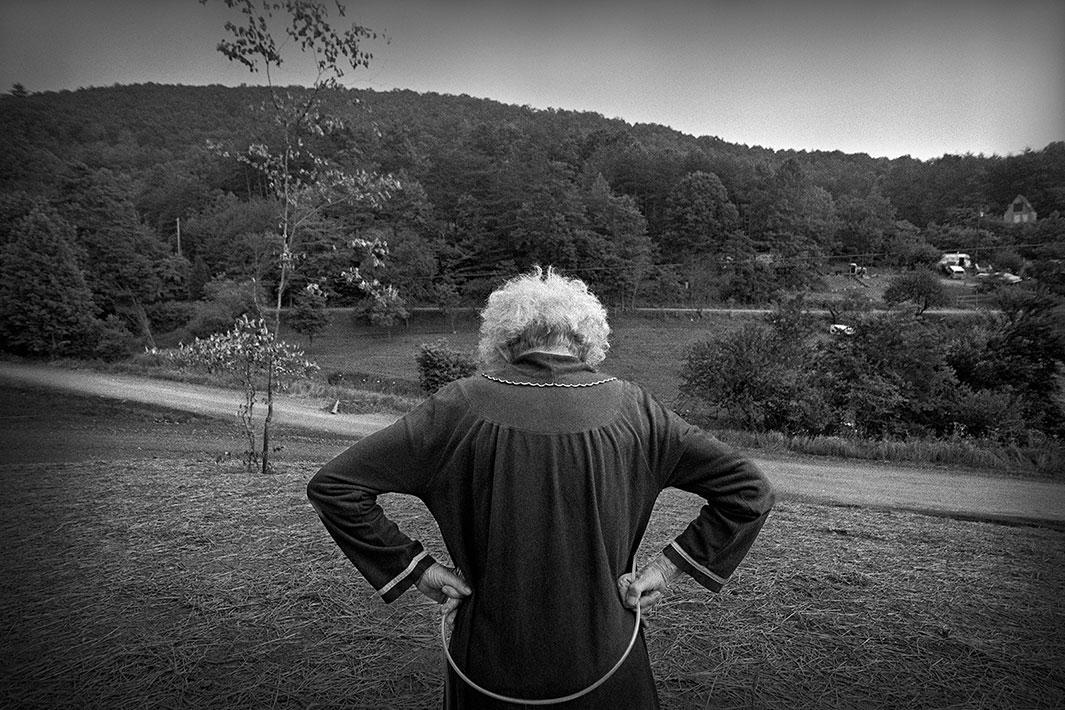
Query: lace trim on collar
(547, 384)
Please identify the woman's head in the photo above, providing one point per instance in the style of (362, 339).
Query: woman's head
(542, 309)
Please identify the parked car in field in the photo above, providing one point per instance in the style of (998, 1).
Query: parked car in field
(1002, 277)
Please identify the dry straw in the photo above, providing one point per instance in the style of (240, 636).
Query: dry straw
(180, 584)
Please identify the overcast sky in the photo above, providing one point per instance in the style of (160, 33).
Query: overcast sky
(887, 78)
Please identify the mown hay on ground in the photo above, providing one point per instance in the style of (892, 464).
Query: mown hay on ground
(179, 583)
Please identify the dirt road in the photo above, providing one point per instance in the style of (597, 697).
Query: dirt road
(962, 494)
(200, 399)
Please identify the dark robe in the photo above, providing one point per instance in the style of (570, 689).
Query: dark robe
(542, 477)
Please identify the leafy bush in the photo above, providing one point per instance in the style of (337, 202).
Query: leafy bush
(732, 373)
(115, 342)
(920, 287)
(208, 319)
(224, 301)
(748, 283)
(167, 316)
(439, 364)
(892, 377)
(1007, 260)
(997, 415)
(387, 307)
(761, 376)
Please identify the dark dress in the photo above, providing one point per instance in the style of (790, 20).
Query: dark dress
(541, 477)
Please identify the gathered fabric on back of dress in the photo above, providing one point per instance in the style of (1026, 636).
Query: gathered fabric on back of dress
(544, 496)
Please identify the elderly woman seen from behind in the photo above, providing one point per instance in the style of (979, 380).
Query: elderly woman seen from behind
(541, 473)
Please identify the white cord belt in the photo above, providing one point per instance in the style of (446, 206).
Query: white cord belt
(543, 701)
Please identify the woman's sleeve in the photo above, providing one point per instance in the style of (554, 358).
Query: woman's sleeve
(397, 459)
(738, 500)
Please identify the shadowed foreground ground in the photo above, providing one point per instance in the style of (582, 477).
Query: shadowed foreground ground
(182, 584)
(177, 581)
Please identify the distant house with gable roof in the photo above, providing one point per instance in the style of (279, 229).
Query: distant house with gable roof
(1019, 211)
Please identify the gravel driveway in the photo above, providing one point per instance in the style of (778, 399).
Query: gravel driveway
(962, 494)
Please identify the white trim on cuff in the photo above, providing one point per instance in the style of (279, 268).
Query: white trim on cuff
(696, 565)
(402, 575)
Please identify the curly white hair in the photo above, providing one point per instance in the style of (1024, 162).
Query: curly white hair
(542, 309)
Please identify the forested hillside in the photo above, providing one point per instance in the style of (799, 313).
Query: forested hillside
(133, 212)
(646, 214)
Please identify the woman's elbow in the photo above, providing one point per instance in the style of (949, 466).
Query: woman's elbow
(318, 488)
(769, 496)
(761, 494)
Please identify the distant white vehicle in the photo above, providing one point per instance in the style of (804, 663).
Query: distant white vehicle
(840, 329)
(954, 264)
(957, 259)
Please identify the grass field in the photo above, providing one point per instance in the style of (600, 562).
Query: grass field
(644, 349)
(154, 575)
(648, 349)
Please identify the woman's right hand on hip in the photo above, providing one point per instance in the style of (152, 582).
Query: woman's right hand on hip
(648, 586)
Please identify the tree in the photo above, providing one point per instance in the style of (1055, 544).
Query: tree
(789, 206)
(446, 295)
(233, 237)
(921, 287)
(386, 308)
(126, 265)
(14, 206)
(977, 242)
(762, 375)
(308, 317)
(619, 221)
(198, 277)
(1007, 260)
(742, 277)
(795, 220)
(18, 91)
(545, 222)
(1038, 175)
(45, 305)
(924, 192)
(1027, 349)
(865, 224)
(412, 265)
(760, 381)
(906, 246)
(404, 221)
(223, 301)
(261, 361)
(304, 183)
(699, 218)
(890, 376)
